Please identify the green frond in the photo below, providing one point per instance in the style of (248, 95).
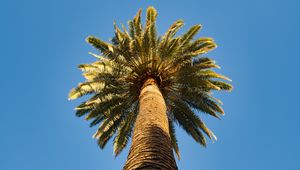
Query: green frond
(115, 112)
(196, 101)
(105, 48)
(107, 130)
(208, 74)
(119, 35)
(164, 43)
(85, 88)
(87, 67)
(188, 77)
(187, 124)
(104, 107)
(222, 85)
(215, 99)
(188, 36)
(131, 29)
(201, 60)
(150, 22)
(191, 130)
(124, 49)
(205, 65)
(194, 118)
(207, 86)
(146, 41)
(95, 113)
(90, 76)
(136, 47)
(191, 47)
(198, 42)
(206, 130)
(172, 48)
(96, 67)
(127, 35)
(101, 58)
(174, 139)
(138, 24)
(124, 131)
(151, 15)
(87, 106)
(82, 112)
(202, 66)
(111, 123)
(203, 107)
(212, 104)
(203, 48)
(97, 120)
(172, 30)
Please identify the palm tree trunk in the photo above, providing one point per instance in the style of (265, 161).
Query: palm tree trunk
(151, 144)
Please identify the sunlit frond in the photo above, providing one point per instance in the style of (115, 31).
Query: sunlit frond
(138, 24)
(85, 88)
(188, 36)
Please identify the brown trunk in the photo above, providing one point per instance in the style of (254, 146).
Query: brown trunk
(151, 144)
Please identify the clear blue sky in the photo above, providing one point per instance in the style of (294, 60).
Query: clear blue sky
(42, 42)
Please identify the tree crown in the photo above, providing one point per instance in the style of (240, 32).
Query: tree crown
(184, 76)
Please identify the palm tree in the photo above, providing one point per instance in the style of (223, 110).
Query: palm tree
(144, 84)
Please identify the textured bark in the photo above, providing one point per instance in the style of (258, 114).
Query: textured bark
(151, 146)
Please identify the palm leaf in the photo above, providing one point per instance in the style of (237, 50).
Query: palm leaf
(85, 88)
(124, 131)
(188, 36)
(187, 124)
(222, 85)
(138, 24)
(174, 139)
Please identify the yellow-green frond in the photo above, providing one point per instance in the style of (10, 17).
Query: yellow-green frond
(85, 88)
(188, 36)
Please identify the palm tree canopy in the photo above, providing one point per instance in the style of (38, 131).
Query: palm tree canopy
(184, 76)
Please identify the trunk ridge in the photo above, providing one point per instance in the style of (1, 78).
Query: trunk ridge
(151, 146)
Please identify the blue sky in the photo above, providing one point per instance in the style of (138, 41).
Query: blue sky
(42, 42)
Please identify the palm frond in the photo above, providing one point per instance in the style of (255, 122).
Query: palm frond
(187, 124)
(85, 88)
(188, 36)
(194, 118)
(222, 85)
(107, 129)
(203, 48)
(97, 120)
(208, 74)
(172, 30)
(197, 102)
(174, 139)
(104, 47)
(167, 38)
(138, 24)
(151, 23)
(125, 130)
